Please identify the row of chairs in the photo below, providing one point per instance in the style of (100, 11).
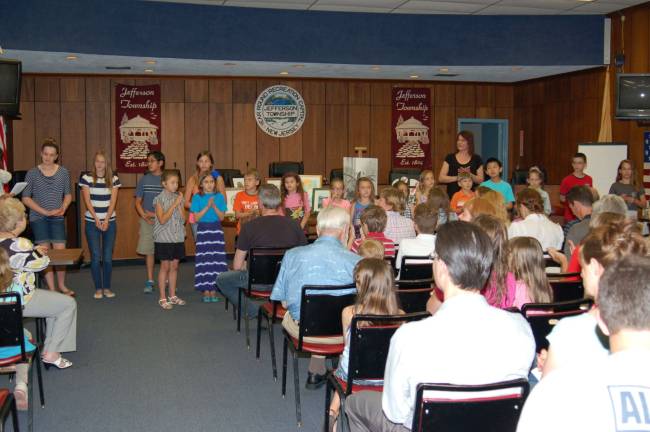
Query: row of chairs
(318, 307)
(12, 334)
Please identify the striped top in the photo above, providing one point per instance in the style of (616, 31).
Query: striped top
(100, 196)
(148, 187)
(172, 231)
(47, 191)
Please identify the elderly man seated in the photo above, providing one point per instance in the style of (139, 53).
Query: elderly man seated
(325, 262)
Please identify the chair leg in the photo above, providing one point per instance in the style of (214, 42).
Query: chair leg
(296, 387)
(272, 345)
(30, 400)
(259, 334)
(247, 323)
(328, 394)
(284, 367)
(239, 311)
(226, 303)
(41, 392)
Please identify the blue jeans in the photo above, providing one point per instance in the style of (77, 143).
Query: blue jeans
(229, 284)
(101, 245)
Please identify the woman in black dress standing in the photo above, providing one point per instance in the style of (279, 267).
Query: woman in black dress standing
(464, 160)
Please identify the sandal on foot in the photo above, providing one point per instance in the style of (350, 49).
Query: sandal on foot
(20, 395)
(108, 293)
(207, 300)
(67, 292)
(177, 301)
(59, 363)
(98, 295)
(165, 304)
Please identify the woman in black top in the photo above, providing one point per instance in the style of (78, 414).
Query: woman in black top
(464, 160)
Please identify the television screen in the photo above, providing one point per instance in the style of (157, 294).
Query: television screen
(10, 71)
(633, 96)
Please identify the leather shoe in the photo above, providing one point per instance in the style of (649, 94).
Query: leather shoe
(314, 381)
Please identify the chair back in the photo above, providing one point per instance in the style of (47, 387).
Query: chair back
(11, 322)
(369, 342)
(228, 175)
(542, 317)
(415, 267)
(451, 408)
(278, 169)
(567, 290)
(263, 267)
(398, 173)
(414, 294)
(321, 307)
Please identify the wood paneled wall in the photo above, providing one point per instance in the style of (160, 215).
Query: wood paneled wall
(217, 114)
(558, 113)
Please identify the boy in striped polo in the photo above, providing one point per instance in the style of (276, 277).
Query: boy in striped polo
(373, 224)
(149, 186)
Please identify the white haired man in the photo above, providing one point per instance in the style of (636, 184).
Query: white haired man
(324, 262)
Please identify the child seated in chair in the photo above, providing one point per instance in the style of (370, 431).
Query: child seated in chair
(373, 224)
(375, 296)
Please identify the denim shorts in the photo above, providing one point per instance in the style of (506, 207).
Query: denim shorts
(48, 230)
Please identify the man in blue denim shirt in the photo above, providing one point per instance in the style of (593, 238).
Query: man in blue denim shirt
(325, 262)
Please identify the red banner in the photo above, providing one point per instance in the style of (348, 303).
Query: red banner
(137, 126)
(411, 123)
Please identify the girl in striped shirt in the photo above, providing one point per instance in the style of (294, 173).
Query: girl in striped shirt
(99, 189)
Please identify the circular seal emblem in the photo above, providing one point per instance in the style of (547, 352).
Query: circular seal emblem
(280, 111)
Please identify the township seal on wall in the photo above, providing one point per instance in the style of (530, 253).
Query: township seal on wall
(280, 111)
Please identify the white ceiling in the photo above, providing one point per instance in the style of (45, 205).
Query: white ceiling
(55, 62)
(462, 7)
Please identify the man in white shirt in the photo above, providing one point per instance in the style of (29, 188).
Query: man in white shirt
(465, 342)
(612, 394)
(425, 220)
(534, 222)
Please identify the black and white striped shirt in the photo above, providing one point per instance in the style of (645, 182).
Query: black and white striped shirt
(47, 192)
(100, 196)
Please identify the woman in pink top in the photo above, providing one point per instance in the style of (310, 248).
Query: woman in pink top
(500, 289)
(337, 196)
(526, 261)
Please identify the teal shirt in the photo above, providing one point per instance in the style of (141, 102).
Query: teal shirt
(200, 201)
(503, 188)
(11, 351)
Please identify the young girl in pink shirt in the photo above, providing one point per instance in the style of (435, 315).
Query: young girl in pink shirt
(526, 262)
(337, 196)
(295, 200)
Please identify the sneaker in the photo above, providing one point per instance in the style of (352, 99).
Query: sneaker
(148, 287)
(215, 299)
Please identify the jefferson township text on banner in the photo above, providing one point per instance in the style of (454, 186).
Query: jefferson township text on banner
(410, 145)
(137, 126)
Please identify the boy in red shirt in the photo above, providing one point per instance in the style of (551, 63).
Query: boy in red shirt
(576, 178)
(373, 224)
(246, 205)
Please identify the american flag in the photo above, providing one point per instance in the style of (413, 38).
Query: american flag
(646, 163)
(3, 148)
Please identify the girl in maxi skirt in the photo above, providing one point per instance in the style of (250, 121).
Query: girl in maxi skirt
(209, 208)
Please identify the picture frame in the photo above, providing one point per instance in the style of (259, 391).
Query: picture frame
(311, 182)
(275, 181)
(231, 193)
(238, 182)
(319, 194)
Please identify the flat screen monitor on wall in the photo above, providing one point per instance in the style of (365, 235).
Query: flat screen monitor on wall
(633, 96)
(10, 72)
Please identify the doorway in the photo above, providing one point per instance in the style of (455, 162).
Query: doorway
(490, 139)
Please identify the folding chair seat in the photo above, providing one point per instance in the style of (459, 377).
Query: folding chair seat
(468, 408)
(13, 335)
(320, 316)
(567, 289)
(263, 269)
(8, 406)
(542, 317)
(369, 344)
(273, 313)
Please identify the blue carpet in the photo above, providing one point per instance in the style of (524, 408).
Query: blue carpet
(140, 368)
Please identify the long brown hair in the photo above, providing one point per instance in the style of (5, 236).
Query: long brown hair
(469, 137)
(372, 189)
(526, 261)
(375, 288)
(611, 242)
(438, 202)
(496, 230)
(6, 274)
(199, 156)
(299, 188)
(633, 179)
(108, 172)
